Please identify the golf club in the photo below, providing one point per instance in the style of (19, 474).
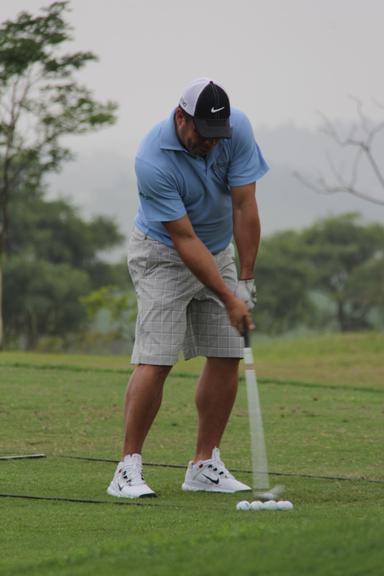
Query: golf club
(260, 477)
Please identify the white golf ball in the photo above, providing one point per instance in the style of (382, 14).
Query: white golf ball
(284, 505)
(256, 505)
(269, 505)
(243, 505)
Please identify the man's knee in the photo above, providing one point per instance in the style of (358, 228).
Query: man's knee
(223, 363)
(154, 370)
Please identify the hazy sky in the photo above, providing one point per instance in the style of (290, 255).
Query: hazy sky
(281, 61)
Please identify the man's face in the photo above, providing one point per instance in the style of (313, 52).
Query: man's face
(190, 138)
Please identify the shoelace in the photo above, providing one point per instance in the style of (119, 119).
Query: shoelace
(132, 473)
(219, 464)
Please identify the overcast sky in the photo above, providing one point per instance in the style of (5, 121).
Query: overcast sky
(282, 61)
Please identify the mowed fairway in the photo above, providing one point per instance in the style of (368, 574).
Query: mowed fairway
(322, 401)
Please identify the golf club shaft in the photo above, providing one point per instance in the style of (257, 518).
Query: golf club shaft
(258, 450)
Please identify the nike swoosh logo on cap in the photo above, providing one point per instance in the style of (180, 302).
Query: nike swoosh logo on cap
(214, 110)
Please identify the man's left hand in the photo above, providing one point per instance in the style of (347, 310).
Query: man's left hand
(246, 291)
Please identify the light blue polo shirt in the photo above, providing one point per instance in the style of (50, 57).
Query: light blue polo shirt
(172, 182)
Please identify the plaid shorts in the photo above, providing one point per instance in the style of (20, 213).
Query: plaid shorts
(176, 312)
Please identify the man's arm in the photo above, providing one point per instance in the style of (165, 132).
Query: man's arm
(202, 264)
(246, 227)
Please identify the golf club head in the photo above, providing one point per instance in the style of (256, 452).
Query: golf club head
(271, 494)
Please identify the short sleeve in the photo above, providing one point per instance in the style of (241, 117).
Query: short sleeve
(247, 163)
(158, 193)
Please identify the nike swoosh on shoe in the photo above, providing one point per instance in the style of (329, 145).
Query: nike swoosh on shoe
(215, 481)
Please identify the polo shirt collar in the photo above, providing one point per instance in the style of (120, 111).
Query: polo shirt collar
(169, 139)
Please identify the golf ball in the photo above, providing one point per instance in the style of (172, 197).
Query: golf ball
(269, 505)
(243, 505)
(256, 505)
(284, 505)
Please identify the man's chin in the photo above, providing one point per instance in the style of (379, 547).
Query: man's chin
(203, 152)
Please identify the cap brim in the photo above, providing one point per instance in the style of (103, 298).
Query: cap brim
(218, 128)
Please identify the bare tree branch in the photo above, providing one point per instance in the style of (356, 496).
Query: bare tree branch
(321, 186)
(361, 138)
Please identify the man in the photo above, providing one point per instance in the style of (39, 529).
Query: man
(196, 175)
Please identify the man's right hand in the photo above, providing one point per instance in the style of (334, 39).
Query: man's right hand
(238, 311)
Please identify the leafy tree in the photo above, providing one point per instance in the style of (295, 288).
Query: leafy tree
(365, 290)
(41, 101)
(44, 299)
(285, 280)
(54, 231)
(121, 306)
(331, 273)
(348, 260)
(55, 257)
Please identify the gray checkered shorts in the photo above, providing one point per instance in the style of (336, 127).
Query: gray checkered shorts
(176, 312)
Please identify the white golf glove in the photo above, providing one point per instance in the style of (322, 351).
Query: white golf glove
(246, 291)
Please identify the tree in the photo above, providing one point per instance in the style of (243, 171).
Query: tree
(285, 283)
(348, 264)
(361, 145)
(54, 231)
(330, 274)
(41, 101)
(45, 299)
(55, 258)
(119, 304)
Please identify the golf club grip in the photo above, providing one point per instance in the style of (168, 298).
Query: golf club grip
(245, 333)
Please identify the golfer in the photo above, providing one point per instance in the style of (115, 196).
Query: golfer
(196, 175)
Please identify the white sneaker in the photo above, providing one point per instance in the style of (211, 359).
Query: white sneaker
(211, 476)
(128, 481)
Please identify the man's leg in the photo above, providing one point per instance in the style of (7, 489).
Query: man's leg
(215, 396)
(142, 402)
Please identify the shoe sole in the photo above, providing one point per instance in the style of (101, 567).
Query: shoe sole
(112, 492)
(190, 488)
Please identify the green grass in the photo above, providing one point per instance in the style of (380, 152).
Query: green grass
(322, 400)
